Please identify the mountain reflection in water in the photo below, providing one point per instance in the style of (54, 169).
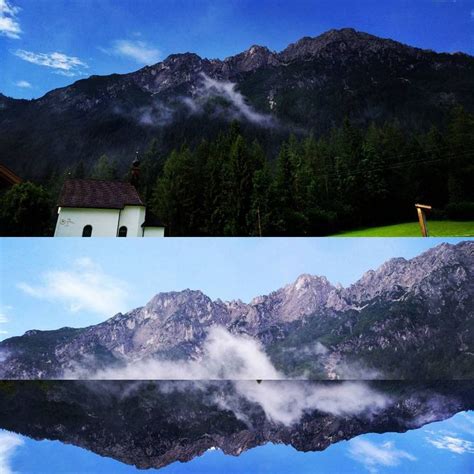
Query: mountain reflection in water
(153, 424)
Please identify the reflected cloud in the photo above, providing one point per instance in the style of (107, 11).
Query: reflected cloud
(373, 455)
(451, 443)
(9, 442)
(156, 423)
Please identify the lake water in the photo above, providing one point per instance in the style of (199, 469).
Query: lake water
(97, 427)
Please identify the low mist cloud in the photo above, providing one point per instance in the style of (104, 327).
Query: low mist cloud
(240, 109)
(286, 401)
(242, 360)
(224, 356)
(160, 113)
(356, 371)
(157, 114)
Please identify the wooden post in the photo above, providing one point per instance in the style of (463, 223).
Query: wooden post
(420, 209)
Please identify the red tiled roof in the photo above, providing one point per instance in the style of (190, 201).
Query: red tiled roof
(8, 176)
(99, 194)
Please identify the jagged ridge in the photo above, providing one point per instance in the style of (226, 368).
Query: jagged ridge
(418, 308)
(312, 85)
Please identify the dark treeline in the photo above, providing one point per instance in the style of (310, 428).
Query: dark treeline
(351, 178)
(228, 186)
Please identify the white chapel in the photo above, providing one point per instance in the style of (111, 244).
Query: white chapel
(100, 208)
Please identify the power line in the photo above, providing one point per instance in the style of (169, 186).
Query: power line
(419, 152)
(392, 166)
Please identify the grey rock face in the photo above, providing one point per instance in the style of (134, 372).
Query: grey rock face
(343, 42)
(417, 308)
(445, 267)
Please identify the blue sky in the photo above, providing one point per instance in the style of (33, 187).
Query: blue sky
(445, 447)
(50, 283)
(45, 44)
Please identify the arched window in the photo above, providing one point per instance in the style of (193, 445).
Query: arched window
(87, 231)
(122, 231)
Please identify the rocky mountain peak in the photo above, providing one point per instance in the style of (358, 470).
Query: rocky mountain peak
(345, 72)
(182, 58)
(306, 281)
(253, 58)
(344, 34)
(175, 299)
(426, 271)
(394, 265)
(340, 42)
(426, 298)
(308, 294)
(257, 49)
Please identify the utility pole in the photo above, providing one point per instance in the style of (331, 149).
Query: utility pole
(258, 222)
(421, 210)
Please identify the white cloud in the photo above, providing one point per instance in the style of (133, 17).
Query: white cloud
(9, 25)
(243, 360)
(372, 455)
(452, 443)
(228, 90)
(23, 84)
(84, 286)
(224, 356)
(60, 62)
(9, 442)
(68, 73)
(137, 50)
(286, 401)
(4, 317)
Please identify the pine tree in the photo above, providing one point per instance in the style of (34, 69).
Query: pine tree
(175, 199)
(105, 169)
(373, 193)
(461, 156)
(151, 168)
(260, 216)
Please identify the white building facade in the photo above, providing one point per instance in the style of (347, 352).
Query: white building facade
(96, 208)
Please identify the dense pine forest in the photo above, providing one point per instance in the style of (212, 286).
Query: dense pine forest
(230, 186)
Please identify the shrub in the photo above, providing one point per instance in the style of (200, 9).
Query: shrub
(25, 211)
(460, 211)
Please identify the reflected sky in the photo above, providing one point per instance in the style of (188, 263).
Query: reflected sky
(440, 447)
(213, 427)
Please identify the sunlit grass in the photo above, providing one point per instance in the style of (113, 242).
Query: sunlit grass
(412, 229)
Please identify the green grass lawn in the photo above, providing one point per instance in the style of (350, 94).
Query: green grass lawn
(412, 229)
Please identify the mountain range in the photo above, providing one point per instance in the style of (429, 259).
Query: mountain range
(312, 85)
(409, 319)
(153, 424)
